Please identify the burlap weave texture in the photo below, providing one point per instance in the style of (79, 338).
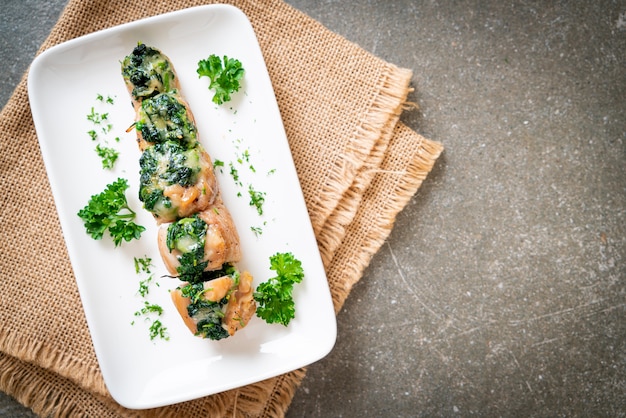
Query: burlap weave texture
(358, 167)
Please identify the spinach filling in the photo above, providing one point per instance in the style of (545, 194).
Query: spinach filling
(148, 70)
(187, 235)
(164, 118)
(209, 314)
(166, 164)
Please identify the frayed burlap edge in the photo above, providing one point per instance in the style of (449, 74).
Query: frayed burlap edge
(364, 151)
(39, 353)
(394, 184)
(387, 106)
(268, 400)
(48, 394)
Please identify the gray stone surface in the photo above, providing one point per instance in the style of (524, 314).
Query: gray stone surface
(502, 288)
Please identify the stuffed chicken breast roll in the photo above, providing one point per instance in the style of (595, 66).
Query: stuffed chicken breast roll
(148, 72)
(203, 242)
(165, 117)
(216, 308)
(175, 181)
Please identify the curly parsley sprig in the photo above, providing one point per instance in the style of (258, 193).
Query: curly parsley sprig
(275, 296)
(224, 77)
(109, 210)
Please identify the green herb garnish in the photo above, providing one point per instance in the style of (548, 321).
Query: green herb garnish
(218, 164)
(101, 98)
(156, 326)
(158, 330)
(109, 210)
(275, 296)
(142, 264)
(257, 199)
(108, 155)
(149, 308)
(144, 287)
(224, 77)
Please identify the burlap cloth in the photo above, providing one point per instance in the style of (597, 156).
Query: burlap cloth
(358, 166)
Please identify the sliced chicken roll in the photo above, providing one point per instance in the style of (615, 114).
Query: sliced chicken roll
(216, 308)
(176, 182)
(165, 117)
(202, 242)
(147, 72)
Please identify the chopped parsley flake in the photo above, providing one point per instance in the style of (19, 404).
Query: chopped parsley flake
(95, 117)
(101, 119)
(158, 330)
(143, 264)
(149, 308)
(100, 98)
(218, 164)
(144, 286)
(108, 155)
(234, 173)
(156, 326)
(257, 199)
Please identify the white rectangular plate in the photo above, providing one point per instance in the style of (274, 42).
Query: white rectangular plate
(63, 84)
